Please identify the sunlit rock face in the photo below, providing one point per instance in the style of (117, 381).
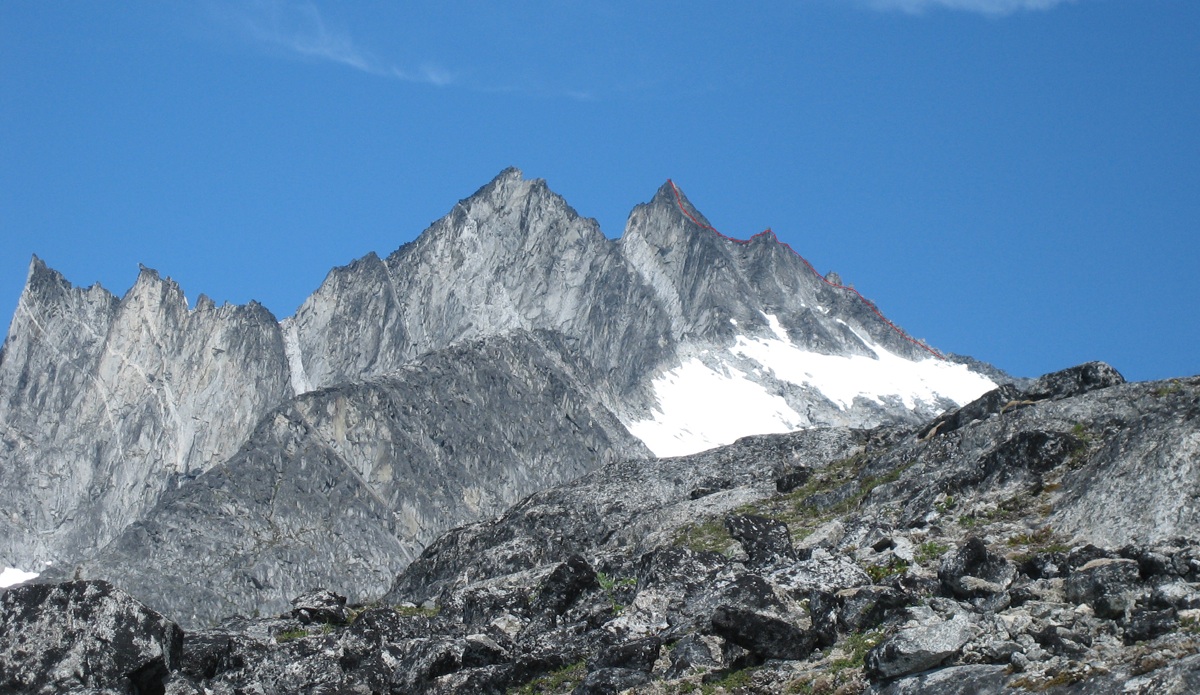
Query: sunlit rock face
(107, 402)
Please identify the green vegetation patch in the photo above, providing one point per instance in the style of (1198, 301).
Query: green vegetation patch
(830, 492)
(612, 585)
(930, 551)
(563, 680)
(1043, 540)
(855, 647)
(289, 635)
(708, 536)
(417, 611)
(729, 682)
(881, 573)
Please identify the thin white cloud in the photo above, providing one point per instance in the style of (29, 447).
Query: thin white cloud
(299, 28)
(989, 7)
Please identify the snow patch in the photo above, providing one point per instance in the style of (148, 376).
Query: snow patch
(776, 328)
(12, 575)
(291, 348)
(842, 378)
(700, 408)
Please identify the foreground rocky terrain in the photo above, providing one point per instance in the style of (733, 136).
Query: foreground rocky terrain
(1039, 539)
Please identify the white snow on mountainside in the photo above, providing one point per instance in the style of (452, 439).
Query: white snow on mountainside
(12, 575)
(702, 406)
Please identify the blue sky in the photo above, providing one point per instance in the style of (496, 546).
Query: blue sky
(1018, 180)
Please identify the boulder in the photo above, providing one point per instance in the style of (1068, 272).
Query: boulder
(694, 652)
(976, 572)
(1145, 624)
(1074, 381)
(610, 681)
(85, 635)
(917, 649)
(1108, 585)
(753, 616)
(766, 541)
(565, 583)
(821, 572)
(638, 655)
(862, 608)
(320, 606)
(955, 680)
(762, 634)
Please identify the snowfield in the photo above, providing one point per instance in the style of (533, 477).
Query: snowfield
(701, 407)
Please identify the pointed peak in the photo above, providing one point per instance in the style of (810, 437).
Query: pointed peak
(500, 186)
(670, 195)
(150, 284)
(42, 278)
(510, 173)
(39, 269)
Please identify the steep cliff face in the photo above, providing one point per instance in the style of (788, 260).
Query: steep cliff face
(344, 486)
(514, 256)
(103, 402)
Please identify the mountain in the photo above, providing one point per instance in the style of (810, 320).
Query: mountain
(216, 460)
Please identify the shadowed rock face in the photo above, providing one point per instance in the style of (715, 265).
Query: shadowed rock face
(344, 486)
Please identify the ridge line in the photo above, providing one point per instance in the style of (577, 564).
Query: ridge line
(870, 305)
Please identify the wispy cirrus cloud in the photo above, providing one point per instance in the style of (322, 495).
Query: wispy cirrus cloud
(989, 7)
(299, 29)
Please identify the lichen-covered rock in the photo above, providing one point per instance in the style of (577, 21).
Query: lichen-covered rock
(919, 648)
(974, 571)
(83, 636)
(1107, 584)
(766, 541)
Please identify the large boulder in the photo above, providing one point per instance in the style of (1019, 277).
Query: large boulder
(1074, 381)
(1108, 585)
(83, 636)
(918, 648)
(756, 617)
(320, 606)
(976, 572)
(766, 541)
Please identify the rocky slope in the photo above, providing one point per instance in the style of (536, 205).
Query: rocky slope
(964, 555)
(344, 486)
